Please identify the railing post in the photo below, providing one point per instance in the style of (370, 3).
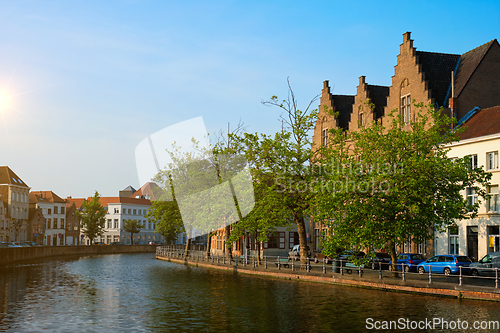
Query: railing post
(380, 270)
(341, 268)
(460, 276)
(279, 266)
(265, 262)
(308, 265)
(404, 276)
(293, 266)
(430, 275)
(360, 272)
(224, 260)
(496, 277)
(324, 266)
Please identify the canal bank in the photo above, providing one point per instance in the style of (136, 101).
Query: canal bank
(15, 254)
(370, 281)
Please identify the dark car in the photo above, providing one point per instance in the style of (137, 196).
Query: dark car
(487, 265)
(381, 260)
(117, 243)
(446, 264)
(410, 261)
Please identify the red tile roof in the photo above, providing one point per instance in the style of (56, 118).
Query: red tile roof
(483, 122)
(45, 196)
(105, 201)
(8, 177)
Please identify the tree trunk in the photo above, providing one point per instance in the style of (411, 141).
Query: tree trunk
(209, 244)
(227, 246)
(188, 241)
(304, 248)
(394, 258)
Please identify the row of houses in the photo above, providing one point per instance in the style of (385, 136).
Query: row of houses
(45, 218)
(467, 87)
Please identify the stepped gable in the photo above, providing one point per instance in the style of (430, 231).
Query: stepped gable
(482, 123)
(343, 105)
(468, 64)
(378, 96)
(437, 68)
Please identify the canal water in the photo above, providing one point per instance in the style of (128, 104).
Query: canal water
(137, 293)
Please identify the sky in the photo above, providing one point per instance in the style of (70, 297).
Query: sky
(82, 83)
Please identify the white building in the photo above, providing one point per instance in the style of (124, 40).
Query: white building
(481, 235)
(54, 211)
(122, 208)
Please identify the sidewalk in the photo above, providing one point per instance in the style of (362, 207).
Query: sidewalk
(370, 278)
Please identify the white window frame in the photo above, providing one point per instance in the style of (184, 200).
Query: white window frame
(471, 194)
(492, 201)
(492, 160)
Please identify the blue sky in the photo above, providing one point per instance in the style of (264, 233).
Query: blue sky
(83, 82)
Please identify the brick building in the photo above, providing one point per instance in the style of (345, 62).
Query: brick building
(460, 84)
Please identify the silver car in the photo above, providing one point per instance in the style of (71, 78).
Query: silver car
(487, 265)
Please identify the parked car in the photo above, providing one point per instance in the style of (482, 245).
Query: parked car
(446, 264)
(14, 244)
(4, 244)
(410, 261)
(487, 265)
(295, 253)
(381, 260)
(117, 243)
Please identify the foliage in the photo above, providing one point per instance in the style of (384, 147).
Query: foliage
(132, 226)
(167, 217)
(383, 186)
(279, 166)
(92, 217)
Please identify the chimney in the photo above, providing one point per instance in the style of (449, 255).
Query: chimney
(362, 80)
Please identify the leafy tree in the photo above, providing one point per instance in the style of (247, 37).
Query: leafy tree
(279, 166)
(383, 186)
(132, 226)
(166, 216)
(92, 218)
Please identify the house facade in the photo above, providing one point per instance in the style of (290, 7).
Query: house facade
(54, 211)
(458, 83)
(14, 193)
(481, 235)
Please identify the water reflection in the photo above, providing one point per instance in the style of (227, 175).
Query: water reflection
(136, 293)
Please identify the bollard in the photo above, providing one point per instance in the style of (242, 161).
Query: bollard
(404, 276)
(308, 265)
(380, 270)
(293, 266)
(279, 264)
(460, 276)
(360, 272)
(496, 277)
(265, 262)
(341, 268)
(430, 275)
(324, 266)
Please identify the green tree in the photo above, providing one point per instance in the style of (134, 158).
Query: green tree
(383, 186)
(168, 220)
(280, 171)
(132, 226)
(92, 217)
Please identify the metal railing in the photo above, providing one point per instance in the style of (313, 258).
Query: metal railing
(430, 273)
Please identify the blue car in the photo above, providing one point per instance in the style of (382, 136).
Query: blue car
(445, 264)
(409, 261)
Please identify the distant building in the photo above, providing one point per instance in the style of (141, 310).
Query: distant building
(54, 210)
(37, 224)
(14, 193)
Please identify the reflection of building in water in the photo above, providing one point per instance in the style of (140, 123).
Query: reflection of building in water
(14, 219)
